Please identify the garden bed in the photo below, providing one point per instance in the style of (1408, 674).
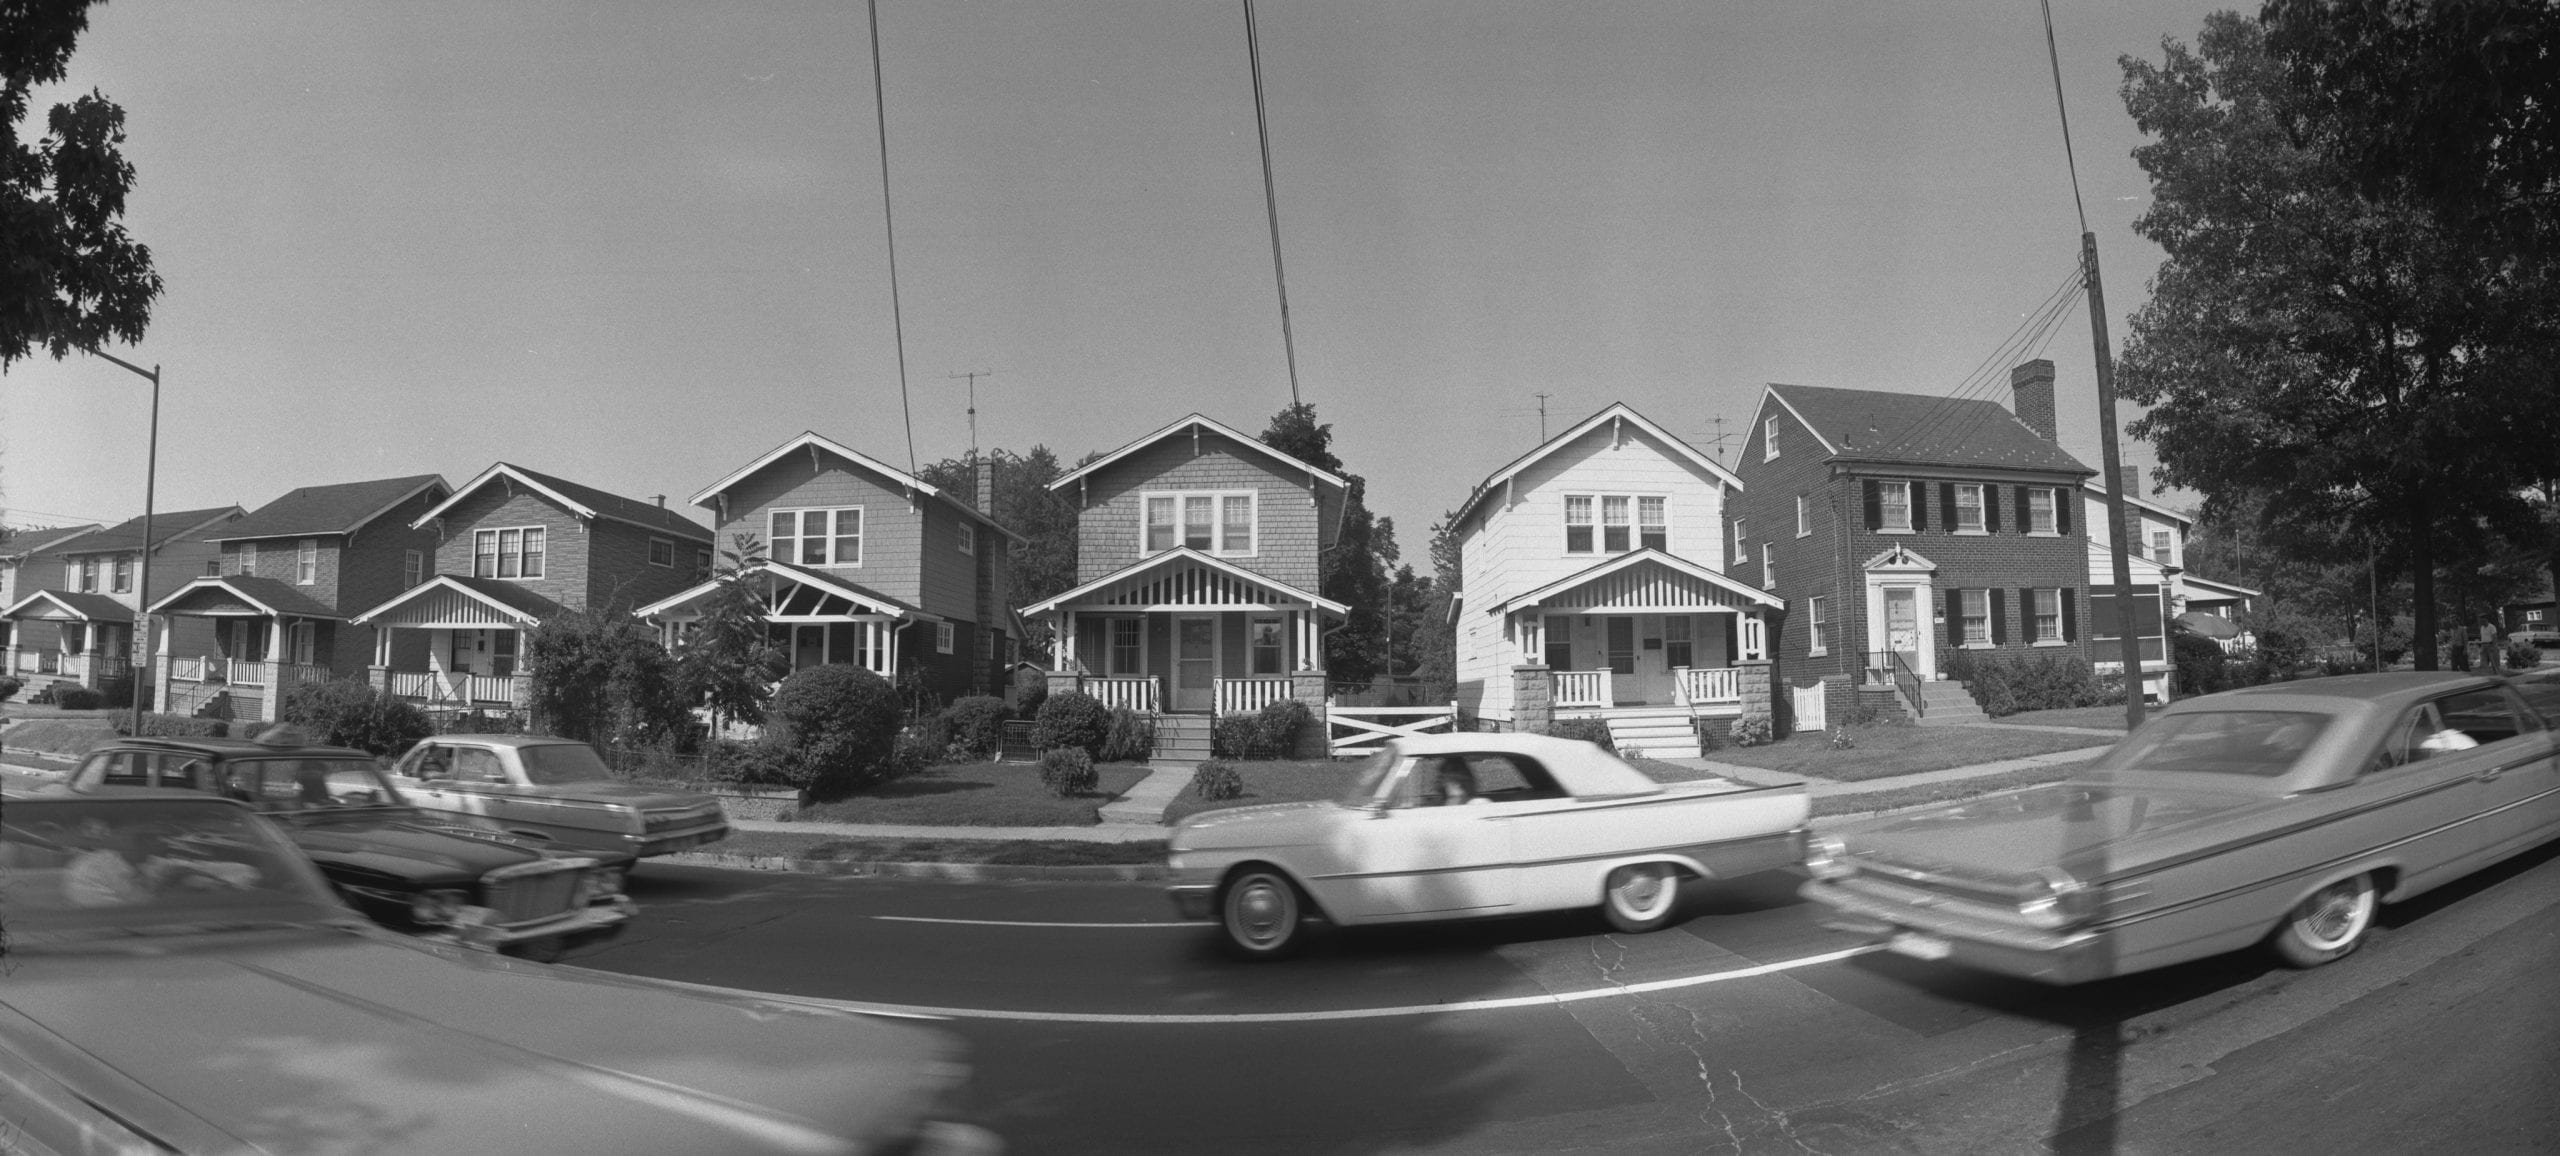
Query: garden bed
(1885, 751)
(976, 795)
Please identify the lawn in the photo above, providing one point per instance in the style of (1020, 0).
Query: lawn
(62, 734)
(1043, 853)
(2101, 717)
(1888, 750)
(977, 795)
(1867, 802)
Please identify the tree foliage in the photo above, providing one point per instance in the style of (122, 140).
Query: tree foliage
(1355, 569)
(1043, 564)
(730, 661)
(73, 278)
(598, 677)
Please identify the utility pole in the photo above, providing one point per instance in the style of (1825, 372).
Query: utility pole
(973, 376)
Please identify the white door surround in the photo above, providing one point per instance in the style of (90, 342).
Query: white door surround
(1891, 577)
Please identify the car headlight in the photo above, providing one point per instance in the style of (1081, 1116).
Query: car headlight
(2062, 902)
(436, 908)
(603, 883)
(1827, 857)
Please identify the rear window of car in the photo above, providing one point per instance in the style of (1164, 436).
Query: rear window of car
(552, 764)
(2260, 743)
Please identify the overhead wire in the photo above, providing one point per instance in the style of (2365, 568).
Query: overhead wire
(1979, 385)
(889, 223)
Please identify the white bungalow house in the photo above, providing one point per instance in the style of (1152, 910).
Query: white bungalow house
(1596, 564)
(2157, 563)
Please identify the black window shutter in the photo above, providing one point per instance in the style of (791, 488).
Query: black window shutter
(2026, 519)
(2070, 624)
(1919, 504)
(1947, 505)
(2027, 616)
(2063, 500)
(1955, 618)
(1875, 507)
(1999, 616)
(1991, 508)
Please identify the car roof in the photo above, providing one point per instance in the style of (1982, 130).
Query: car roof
(506, 740)
(226, 748)
(98, 793)
(1581, 768)
(2340, 694)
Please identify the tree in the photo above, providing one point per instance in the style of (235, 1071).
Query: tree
(2312, 340)
(73, 278)
(1354, 570)
(1043, 564)
(1435, 640)
(730, 661)
(597, 676)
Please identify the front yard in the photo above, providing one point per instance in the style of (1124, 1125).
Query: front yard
(2100, 717)
(1888, 750)
(976, 795)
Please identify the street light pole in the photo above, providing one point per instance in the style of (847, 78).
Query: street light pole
(150, 486)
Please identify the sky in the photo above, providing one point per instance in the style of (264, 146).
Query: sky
(636, 245)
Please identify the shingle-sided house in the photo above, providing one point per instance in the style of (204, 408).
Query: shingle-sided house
(273, 608)
(1903, 529)
(30, 558)
(865, 564)
(80, 628)
(2163, 589)
(1596, 584)
(512, 548)
(1197, 569)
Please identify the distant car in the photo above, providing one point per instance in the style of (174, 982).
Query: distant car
(1468, 825)
(557, 789)
(182, 980)
(2538, 635)
(404, 868)
(2281, 814)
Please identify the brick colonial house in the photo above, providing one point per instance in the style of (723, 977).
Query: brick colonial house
(1196, 570)
(273, 608)
(867, 565)
(1596, 585)
(1904, 529)
(81, 628)
(512, 548)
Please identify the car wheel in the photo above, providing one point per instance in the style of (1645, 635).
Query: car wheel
(1261, 914)
(1640, 897)
(2329, 924)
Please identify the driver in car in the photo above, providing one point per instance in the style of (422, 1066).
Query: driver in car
(123, 865)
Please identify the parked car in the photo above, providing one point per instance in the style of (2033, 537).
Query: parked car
(400, 866)
(1468, 825)
(551, 788)
(2280, 814)
(182, 980)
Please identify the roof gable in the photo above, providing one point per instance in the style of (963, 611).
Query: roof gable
(50, 539)
(709, 496)
(166, 527)
(583, 501)
(1197, 422)
(343, 508)
(1919, 429)
(1618, 413)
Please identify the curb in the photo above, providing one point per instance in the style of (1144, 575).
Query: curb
(943, 872)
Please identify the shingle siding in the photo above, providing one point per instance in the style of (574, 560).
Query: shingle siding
(891, 527)
(491, 507)
(1289, 524)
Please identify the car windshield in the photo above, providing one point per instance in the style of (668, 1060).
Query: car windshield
(320, 783)
(552, 764)
(81, 870)
(1372, 774)
(2261, 743)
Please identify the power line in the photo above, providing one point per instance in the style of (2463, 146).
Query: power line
(889, 222)
(1270, 197)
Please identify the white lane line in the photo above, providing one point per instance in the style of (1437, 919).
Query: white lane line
(1026, 923)
(1550, 999)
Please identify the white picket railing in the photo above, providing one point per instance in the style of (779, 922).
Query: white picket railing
(1583, 688)
(456, 689)
(1359, 730)
(1709, 685)
(1136, 692)
(1247, 695)
(193, 669)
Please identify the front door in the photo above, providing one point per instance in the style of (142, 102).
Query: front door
(1902, 624)
(808, 646)
(1195, 664)
(1621, 647)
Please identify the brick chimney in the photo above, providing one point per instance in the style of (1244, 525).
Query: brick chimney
(2031, 385)
(987, 486)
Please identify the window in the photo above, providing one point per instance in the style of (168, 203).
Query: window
(89, 575)
(1653, 526)
(1820, 627)
(515, 553)
(1976, 611)
(1577, 524)
(1678, 646)
(1128, 645)
(1741, 539)
(1212, 523)
(2533, 616)
(942, 638)
(1768, 567)
(1559, 642)
(306, 562)
(662, 552)
(2040, 509)
(2046, 607)
(1804, 518)
(1266, 640)
(702, 563)
(2160, 547)
(247, 558)
(462, 650)
(300, 640)
(123, 574)
(413, 568)
(1969, 509)
(1613, 523)
(968, 538)
(1769, 439)
(827, 537)
(1895, 505)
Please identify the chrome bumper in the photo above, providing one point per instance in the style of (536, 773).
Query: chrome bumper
(472, 928)
(1193, 900)
(2055, 957)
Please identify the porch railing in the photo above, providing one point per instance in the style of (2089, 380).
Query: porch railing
(1136, 692)
(1702, 684)
(1247, 695)
(241, 672)
(1895, 669)
(456, 689)
(1583, 688)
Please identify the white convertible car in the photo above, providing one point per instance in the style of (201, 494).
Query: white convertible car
(1467, 825)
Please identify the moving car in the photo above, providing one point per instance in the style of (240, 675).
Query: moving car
(2280, 814)
(556, 789)
(1467, 825)
(401, 867)
(182, 980)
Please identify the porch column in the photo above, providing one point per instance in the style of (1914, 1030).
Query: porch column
(1315, 740)
(1753, 674)
(160, 660)
(275, 650)
(1066, 657)
(1533, 699)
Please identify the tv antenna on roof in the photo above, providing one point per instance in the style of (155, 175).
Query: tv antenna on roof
(1719, 439)
(973, 376)
(1542, 417)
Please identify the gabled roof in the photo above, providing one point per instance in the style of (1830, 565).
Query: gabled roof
(40, 540)
(1672, 562)
(1616, 411)
(819, 579)
(507, 598)
(266, 595)
(2225, 589)
(1196, 421)
(343, 508)
(72, 604)
(709, 495)
(583, 501)
(166, 527)
(1866, 425)
(2097, 489)
(1182, 554)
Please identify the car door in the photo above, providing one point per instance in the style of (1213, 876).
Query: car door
(2425, 797)
(2510, 765)
(1425, 853)
(484, 794)
(425, 776)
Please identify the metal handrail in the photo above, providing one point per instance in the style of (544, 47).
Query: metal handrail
(1906, 681)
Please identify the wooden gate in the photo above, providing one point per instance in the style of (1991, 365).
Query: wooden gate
(1359, 730)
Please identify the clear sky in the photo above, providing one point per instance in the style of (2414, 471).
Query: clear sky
(638, 244)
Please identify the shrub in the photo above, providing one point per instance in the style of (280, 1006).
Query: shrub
(1278, 724)
(757, 763)
(1840, 739)
(838, 727)
(1216, 781)
(73, 696)
(174, 726)
(975, 725)
(1074, 719)
(1752, 731)
(9, 686)
(1234, 737)
(910, 755)
(1068, 771)
(1132, 737)
(2202, 668)
(601, 677)
(1589, 730)
(2521, 655)
(931, 733)
(348, 712)
(2006, 686)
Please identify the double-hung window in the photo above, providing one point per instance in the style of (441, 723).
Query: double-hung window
(662, 552)
(1975, 605)
(969, 540)
(1653, 525)
(413, 568)
(1969, 509)
(2046, 607)
(1613, 523)
(1212, 523)
(822, 537)
(1679, 647)
(1894, 501)
(1577, 524)
(123, 574)
(246, 560)
(1821, 640)
(1769, 439)
(942, 637)
(1768, 566)
(511, 553)
(1624, 522)
(1741, 539)
(2160, 548)
(1128, 645)
(1266, 640)
(89, 575)
(1804, 519)
(2040, 509)
(306, 562)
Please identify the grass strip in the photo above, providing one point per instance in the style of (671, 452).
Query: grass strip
(61, 736)
(977, 795)
(1882, 752)
(1864, 802)
(1040, 853)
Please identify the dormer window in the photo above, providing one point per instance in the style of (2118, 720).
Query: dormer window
(1218, 523)
(1769, 439)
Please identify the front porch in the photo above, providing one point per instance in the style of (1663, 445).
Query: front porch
(816, 618)
(1701, 690)
(58, 635)
(267, 637)
(1186, 633)
(1641, 634)
(451, 644)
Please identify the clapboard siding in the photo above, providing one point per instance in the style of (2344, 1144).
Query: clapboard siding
(892, 526)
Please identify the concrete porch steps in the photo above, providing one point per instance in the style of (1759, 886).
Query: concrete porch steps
(1949, 704)
(1658, 734)
(1182, 737)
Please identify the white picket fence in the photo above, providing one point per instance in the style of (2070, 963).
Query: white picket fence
(1360, 730)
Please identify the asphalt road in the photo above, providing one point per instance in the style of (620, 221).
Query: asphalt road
(1100, 1025)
